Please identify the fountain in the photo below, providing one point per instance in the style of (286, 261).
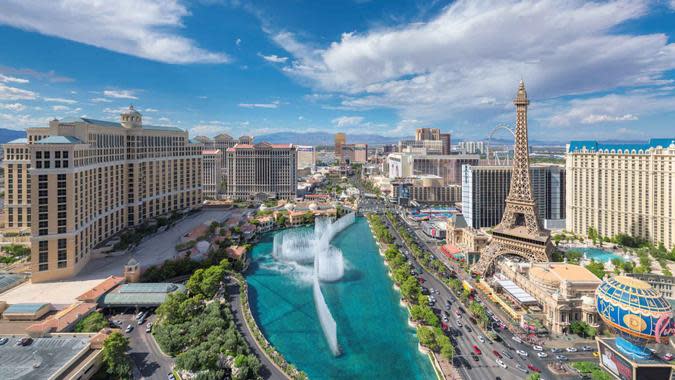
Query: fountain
(302, 247)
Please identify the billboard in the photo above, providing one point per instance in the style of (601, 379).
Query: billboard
(615, 364)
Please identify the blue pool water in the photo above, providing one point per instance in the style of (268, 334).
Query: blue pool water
(598, 254)
(372, 328)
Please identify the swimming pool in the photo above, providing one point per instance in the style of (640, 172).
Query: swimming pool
(597, 254)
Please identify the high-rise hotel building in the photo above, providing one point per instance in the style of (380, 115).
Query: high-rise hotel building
(622, 188)
(261, 171)
(78, 182)
(212, 174)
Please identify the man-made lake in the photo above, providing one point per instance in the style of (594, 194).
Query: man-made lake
(372, 330)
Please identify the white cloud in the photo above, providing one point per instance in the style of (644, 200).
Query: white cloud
(151, 110)
(347, 121)
(13, 93)
(6, 79)
(120, 94)
(207, 129)
(16, 107)
(611, 108)
(470, 57)
(237, 41)
(143, 28)
(274, 104)
(21, 122)
(273, 58)
(672, 4)
(101, 100)
(60, 100)
(60, 108)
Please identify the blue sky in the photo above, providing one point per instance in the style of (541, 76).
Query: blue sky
(593, 70)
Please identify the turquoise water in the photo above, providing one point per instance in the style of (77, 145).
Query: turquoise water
(598, 254)
(373, 333)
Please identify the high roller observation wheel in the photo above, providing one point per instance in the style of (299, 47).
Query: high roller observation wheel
(495, 130)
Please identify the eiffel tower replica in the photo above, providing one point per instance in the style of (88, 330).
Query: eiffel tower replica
(519, 232)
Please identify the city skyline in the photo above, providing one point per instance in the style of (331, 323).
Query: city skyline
(219, 66)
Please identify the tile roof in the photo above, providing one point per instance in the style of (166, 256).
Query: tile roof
(104, 287)
(211, 151)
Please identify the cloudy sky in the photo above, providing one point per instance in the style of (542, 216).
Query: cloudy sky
(602, 70)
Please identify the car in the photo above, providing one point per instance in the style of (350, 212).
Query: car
(475, 357)
(521, 368)
(521, 352)
(507, 354)
(476, 350)
(481, 339)
(515, 338)
(497, 354)
(421, 280)
(148, 328)
(596, 354)
(25, 341)
(459, 324)
(586, 348)
(3, 340)
(445, 319)
(571, 349)
(129, 328)
(537, 348)
(170, 376)
(555, 350)
(447, 307)
(468, 328)
(668, 357)
(458, 314)
(562, 358)
(541, 354)
(425, 291)
(501, 363)
(533, 368)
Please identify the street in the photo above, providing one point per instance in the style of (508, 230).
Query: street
(465, 334)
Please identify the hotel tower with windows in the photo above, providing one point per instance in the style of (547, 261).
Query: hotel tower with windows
(622, 189)
(78, 182)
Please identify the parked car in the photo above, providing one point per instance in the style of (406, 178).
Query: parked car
(129, 328)
(515, 338)
(25, 341)
(537, 348)
(507, 354)
(148, 328)
(521, 352)
(3, 340)
(533, 368)
(586, 348)
(481, 339)
(497, 354)
(521, 368)
(501, 363)
(475, 357)
(571, 349)
(562, 358)
(542, 354)
(555, 350)
(476, 350)
(596, 354)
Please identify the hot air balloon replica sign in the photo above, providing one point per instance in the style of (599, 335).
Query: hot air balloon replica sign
(639, 316)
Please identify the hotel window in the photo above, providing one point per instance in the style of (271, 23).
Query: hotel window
(62, 254)
(43, 256)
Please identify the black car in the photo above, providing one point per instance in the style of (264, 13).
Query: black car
(26, 341)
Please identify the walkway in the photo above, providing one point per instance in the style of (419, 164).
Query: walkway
(268, 369)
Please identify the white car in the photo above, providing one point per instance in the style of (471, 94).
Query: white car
(517, 339)
(501, 363)
(521, 352)
(571, 349)
(129, 328)
(537, 348)
(542, 354)
(480, 337)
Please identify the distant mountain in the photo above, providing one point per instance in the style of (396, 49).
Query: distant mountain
(7, 135)
(323, 138)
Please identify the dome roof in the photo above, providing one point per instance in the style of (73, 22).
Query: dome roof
(633, 309)
(131, 111)
(132, 262)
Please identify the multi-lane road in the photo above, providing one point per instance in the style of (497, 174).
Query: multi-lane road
(467, 336)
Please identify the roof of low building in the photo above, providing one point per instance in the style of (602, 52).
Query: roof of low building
(104, 287)
(141, 294)
(24, 308)
(9, 280)
(557, 272)
(21, 140)
(43, 359)
(211, 151)
(113, 124)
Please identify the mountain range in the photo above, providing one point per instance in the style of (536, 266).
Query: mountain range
(7, 135)
(323, 138)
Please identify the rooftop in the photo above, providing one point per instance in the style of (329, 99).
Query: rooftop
(21, 140)
(56, 293)
(563, 272)
(141, 294)
(592, 145)
(9, 280)
(24, 308)
(211, 151)
(42, 359)
(112, 124)
(104, 287)
(60, 140)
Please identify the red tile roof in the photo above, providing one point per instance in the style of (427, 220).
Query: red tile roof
(93, 294)
(211, 151)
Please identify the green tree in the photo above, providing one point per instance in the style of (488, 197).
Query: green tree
(534, 376)
(114, 356)
(411, 289)
(592, 234)
(597, 268)
(427, 337)
(93, 322)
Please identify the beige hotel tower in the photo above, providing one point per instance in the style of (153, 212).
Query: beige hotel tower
(78, 182)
